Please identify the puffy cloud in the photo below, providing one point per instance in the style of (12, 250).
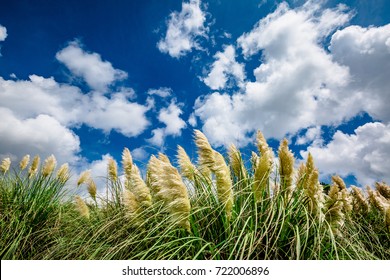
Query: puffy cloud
(3, 33)
(224, 68)
(366, 52)
(116, 113)
(170, 117)
(183, 29)
(139, 154)
(98, 74)
(296, 86)
(364, 154)
(313, 134)
(162, 92)
(42, 135)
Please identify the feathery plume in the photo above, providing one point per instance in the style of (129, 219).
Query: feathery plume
(224, 183)
(383, 189)
(85, 176)
(286, 167)
(92, 188)
(127, 162)
(186, 167)
(81, 207)
(236, 162)
(24, 162)
(205, 153)
(5, 164)
(334, 209)
(375, 200)
(167, 186)
(387, 218)
(314, 191)
(261, 175)
(347, 206)
(262, 144)
(359, 202)
(112, 170)
(49, 166)
(163, 158)
(131, 203)
(63, 173)
(139, 188)
(301, 175)
(254, 159)
(34, 166)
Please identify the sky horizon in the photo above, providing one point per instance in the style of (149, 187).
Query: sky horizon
(84, 79)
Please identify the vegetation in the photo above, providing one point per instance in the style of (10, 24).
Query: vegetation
(216, 209)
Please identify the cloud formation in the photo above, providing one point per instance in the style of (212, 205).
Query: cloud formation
(224, 69)
(364, 154)
(3, 33)
(98, 74)
(184, 28)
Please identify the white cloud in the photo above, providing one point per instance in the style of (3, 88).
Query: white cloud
(3, 33)
(184, 28)
(116, 113)
(139, 154)
(162, 92)
(364, 154)
(366, 52)
(158, 137)
(170, 117)
(225, 68)
(296, 86)
(313, 134)
(98, 74)
(41, 135)
(192, 120)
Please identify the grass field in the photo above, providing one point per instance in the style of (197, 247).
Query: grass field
(216, 209)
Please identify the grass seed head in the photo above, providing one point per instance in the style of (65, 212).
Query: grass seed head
(34, 166)
(127, 162)
(24, 162)
(139, 188)
(82, 207)
(92, 188)
(63, 173)
(112, 170)
(5, 164)
(236, 162)
(383, 189)
(49, 166)
(359, 202)
(186, 167)
(205, 152)
(286, 167)
(85, 177)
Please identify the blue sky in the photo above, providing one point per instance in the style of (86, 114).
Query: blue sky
(84, 79)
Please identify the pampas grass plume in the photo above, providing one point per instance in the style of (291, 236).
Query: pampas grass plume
(112, 170)
(24, 162)
(49, 166)
(82, 207)
(127, 162)
(63, 173)
(5, 164)
(85, 176)
(34, 166)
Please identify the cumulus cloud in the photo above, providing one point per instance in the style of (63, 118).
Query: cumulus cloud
(41, 135)
(170, 117)
(312, 135)
(162, 92)
(364, 154)
(296, 85)
(98, 74)
(183, 29)
(3, 33)
(225, 68)
(139, 154)
(366, 52)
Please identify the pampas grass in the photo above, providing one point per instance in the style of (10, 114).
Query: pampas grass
(216, 209)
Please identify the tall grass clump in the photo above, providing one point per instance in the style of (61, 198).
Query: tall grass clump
(210, 207)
